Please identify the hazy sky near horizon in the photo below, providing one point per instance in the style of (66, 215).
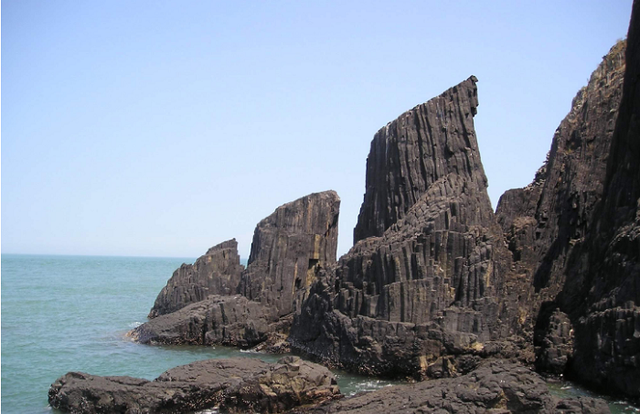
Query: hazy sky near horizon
(161, 128)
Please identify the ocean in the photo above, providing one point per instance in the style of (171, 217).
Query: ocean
(71, 313)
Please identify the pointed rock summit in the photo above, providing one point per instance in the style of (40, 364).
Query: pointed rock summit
(419, 293)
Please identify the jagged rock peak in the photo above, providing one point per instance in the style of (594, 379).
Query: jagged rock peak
(215, 273)
(428, 289)
(421, 147)
(288, 248)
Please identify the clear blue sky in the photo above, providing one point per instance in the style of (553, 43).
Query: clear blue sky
(161, 128)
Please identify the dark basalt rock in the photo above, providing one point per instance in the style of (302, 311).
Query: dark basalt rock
(418, 150)
(289, 247)
(233, 385)
(226, 320)
(497, 387)
(556, 345)
(426, 286)
(215, 273)
(605, 296)
(547, 221)
(574, 232)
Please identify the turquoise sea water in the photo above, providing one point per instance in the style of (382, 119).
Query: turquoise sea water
(70, 313)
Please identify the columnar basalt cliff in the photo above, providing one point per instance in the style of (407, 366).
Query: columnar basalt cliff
(288, 248)
(215, 273)
(570, 231)
(546, 223)
(421, 294)
(418, 151)
(245, 309)
(436, 283)
(604, 299)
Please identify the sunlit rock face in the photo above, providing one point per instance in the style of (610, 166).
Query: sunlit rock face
(420, 292)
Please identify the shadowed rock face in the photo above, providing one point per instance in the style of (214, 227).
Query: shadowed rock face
(224, 320)
(233, 385)
(215, 273)
(548, 220)
(428, 282)
(605, 299)
(573, 232)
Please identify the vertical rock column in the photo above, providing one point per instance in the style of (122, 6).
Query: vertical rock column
(288, 248)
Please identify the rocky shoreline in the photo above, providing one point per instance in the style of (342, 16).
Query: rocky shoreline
(437, 288)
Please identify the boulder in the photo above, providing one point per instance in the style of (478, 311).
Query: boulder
(232, 385)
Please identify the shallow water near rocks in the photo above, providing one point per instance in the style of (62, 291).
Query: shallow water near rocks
(71, 313)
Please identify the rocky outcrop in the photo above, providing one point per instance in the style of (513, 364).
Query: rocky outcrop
(425, 288)
(215, 273)
(498, 387)
(545, 222)
(605, 297)
(573, 232)
(225, 320)
(233, 385)
(417, 152)
(289, 248)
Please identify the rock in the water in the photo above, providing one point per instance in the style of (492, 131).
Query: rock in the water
(288, 248)
(233, 385)
(226, 320)
(423, 289)
(216, 273)
(498, 387)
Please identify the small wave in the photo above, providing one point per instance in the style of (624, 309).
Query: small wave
(134, 325)
(208, 411)
(566, 387)
(249, 351)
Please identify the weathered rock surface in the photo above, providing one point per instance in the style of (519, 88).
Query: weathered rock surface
(226, 320)
(288, 248)
(215, 273)
(423, 290)
(234, 385)
(547, 221)
(606, 297)
(574, 232)
(497, 387)
(246, 308)
(419, 151)
(555, 345)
